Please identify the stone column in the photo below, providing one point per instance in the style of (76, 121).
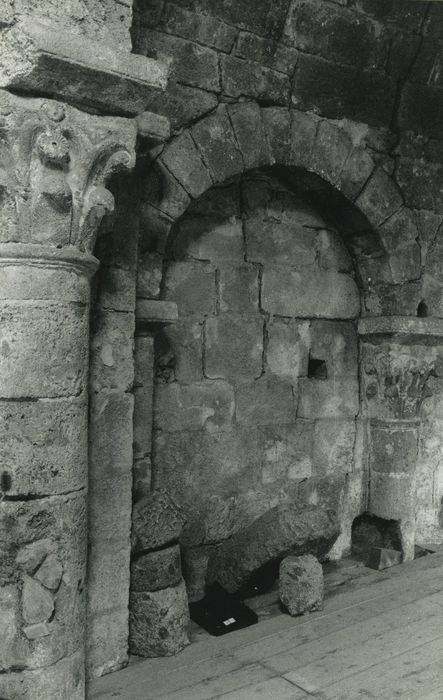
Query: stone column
(398, 355)
(56, 161)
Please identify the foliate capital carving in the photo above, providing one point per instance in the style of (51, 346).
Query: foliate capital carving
(55, 162)
(394, 379)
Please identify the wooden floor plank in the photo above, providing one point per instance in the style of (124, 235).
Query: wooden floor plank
(340, 663)
(407, 676)
(222, 685)
(274, 689)
(395, 621)
(310, 630)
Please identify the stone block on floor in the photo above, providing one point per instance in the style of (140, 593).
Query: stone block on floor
(159, 622)
(301, 584)
(156, 521)
(156, 570)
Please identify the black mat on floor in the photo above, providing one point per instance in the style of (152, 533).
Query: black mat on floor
(220, 613)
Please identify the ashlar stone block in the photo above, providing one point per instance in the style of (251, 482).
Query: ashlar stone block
(328, 398)
(192, 286)
(285, 243)
(206, 405)
(307, 294)
(233, 348)
(287, 348)
(335, 342)
(301, 584)
(265, 402)
(238, 289)
(218, 240)
(287, 452)
(334, 441)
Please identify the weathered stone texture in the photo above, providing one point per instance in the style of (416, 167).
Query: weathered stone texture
(301, 584)
(159, 622)
(156, 521)
(156, 570)
(280, 531)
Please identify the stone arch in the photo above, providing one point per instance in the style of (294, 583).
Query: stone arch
(326, 158)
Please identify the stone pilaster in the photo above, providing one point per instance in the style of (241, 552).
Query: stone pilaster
(397, 357)
(56, 161)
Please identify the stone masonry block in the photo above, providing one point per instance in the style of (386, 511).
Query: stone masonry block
(180, 347)
(265, 402)
(41, 58)
(301, 584)
(156, 521)
(287, 348)
(159, 623)
(149, 275)
(44, 349)
(281, 530)
(233, 348)
(49, 459)
(192, 64)
(380, 198)
(394, 449)
(328, 398)
(356, 173)
(278, 133)
(63, 679)
(280, 243)
(156, 570)
(274, 55)
(192, 286)
(195, 26)
(182, 158)
(238, 289)
(107, 641)
(331, 151)
(286, 452)
(246, 119)
(337, 91)
(309, 294)
(192, 467)
(241, 77)
(303, 132)
(206, 405)
(215, 138)
(209, 238)
(166, 194)
(112, 351)
(332, 252)
(335, 342)
(334, 441)
(391, 496)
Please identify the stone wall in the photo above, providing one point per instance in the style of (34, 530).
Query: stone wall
(108, 21)
(370, 67)
(256, 395)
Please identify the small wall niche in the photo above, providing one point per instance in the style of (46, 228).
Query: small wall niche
(422, 309)
(317, 369)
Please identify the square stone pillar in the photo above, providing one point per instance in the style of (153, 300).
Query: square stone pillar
(398, 355)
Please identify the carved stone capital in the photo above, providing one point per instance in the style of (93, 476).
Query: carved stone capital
(55, 162)
(398, 355)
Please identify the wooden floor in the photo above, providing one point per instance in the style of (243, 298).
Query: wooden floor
(380, 635)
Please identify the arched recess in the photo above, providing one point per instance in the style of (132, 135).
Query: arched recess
(326, 159)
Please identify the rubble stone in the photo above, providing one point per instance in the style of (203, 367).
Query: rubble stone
(301, 584)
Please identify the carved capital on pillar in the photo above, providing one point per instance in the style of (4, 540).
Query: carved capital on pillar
(398, 355)
(54, 165)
